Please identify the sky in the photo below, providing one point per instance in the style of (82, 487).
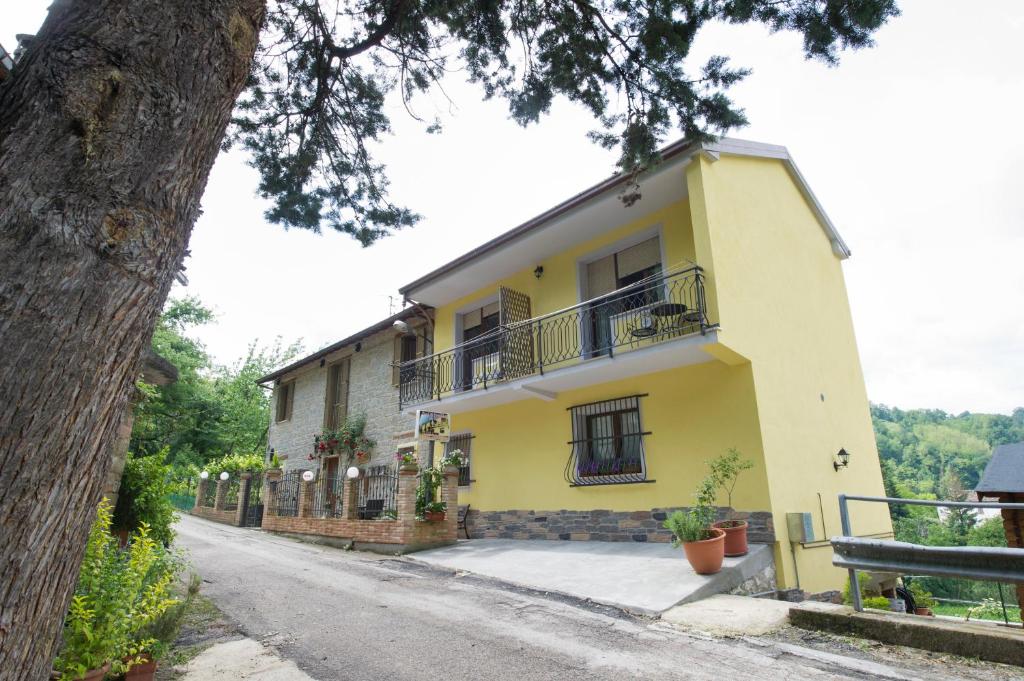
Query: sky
(914, 147)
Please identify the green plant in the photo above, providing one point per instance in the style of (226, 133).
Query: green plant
(119, 593)
(235, 464)
(275, 462)
(453, 458)
(922, 597)
(406, 458)
(869, 599)
(426, 492)
(349, 440)
(435, 507)
(163, 630)
(689, 526)
(144, 498)
(726, 469)
(876, 603)
(987, 609)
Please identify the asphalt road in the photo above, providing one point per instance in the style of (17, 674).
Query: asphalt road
(351, 615)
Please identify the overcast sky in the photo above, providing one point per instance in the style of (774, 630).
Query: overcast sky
(914, 147)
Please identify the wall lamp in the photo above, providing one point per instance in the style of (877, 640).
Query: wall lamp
(844, 459)
(538, 271)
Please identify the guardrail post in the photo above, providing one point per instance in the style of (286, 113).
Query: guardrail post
(844, 519)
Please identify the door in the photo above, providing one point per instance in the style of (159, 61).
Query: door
(252, 513)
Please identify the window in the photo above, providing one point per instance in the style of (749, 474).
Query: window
(624, 271)
(480, 358)
(337, 393)
(285, 399)
(463, 441)
(607, 444)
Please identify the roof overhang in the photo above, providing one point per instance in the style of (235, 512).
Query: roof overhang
(590, 213)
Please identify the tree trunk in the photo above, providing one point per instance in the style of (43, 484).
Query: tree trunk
(108, 129)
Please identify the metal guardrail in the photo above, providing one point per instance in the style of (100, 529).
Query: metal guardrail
(650, 311)
(977, 562)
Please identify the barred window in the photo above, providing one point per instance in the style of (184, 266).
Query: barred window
(463, 441)
(607, 443)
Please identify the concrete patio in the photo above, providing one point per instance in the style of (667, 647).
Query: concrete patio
(644, 578)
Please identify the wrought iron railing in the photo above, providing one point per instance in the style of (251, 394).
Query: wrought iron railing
(231, 490)
(326, 502)
(378, 493)
(651, 311)
(285, 493)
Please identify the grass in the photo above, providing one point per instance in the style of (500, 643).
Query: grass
(204, 625)
(960, 610)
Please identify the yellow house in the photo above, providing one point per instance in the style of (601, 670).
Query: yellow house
(596, 357)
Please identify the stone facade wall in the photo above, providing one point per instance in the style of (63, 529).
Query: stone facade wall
(405, 533)
(371, 392)
(598, 525)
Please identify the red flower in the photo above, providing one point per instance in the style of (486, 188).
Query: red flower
(322, 446)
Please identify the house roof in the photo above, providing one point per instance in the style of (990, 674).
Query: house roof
(382, 325)
(1005, 471)
(681, 148)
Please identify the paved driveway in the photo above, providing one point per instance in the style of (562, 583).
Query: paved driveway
(347, 615)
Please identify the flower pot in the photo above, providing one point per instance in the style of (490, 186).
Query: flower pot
(434, 516)
(706, 556)
(146, 671)
(924, 612)
(735, 536)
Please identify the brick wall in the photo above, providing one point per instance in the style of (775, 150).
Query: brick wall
(598, 525)
(405, 533)
(370, 392)
(219, 511)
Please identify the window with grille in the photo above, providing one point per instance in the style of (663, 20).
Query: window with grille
(463, 441)
(607, 443)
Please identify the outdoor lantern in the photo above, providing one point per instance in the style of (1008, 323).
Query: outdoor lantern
(844, 459)
(224, 475)
(204, 475)
(307, 476)
(352, 473)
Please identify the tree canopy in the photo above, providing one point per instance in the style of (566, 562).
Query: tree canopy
(315, 103)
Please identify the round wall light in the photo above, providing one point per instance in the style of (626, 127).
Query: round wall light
(224, 475)
(352, 473)
(308, 476)
(204, 475)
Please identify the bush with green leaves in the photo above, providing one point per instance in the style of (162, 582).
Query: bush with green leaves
(119, 593)
(694, 524)
(726, 469)
(144, 497)
(235, 465)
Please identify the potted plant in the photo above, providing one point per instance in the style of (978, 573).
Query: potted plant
(161, 632)
(725, 470)
(118, 593)
(434, 511)
(923, 600)
(703, 545)
(406, 459)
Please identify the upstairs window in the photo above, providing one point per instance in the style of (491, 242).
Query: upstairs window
(607, 444)
(285, 399)
(337, 393)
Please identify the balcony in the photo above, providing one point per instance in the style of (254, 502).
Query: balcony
(654, 324)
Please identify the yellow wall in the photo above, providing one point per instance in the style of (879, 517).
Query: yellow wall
(558, 287)
(782, 303)
(694, 414)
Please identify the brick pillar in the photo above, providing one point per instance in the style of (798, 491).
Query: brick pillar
(450, 496)
(222, 491)
(306, 493)
(200, 493)
(350, 498)
(269, 491)
(405, 504)
(243, 496)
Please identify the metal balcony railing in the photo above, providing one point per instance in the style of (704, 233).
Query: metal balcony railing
(648, 312)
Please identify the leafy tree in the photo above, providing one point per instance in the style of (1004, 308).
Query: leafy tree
(110, 124)
(144, 497)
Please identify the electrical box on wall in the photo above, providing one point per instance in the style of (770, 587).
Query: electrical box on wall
(801, 528)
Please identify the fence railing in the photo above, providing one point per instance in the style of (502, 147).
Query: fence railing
(183, 501)
(286, 494)
(231, 493)
(650, 311)
(378, 493)
(327, 500)
(968, 562)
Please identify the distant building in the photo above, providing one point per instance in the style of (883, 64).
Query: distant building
(1003, 480)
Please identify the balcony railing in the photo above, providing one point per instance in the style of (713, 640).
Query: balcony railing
(648, 312)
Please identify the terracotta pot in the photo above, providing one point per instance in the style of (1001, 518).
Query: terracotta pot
(706, 556)
(145, 671)
(434, 516)
(924, 612)
(735, 537)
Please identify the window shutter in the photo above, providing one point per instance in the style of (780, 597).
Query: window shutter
(640, 257)
(341, 399)
(601, 277)
(290, 402)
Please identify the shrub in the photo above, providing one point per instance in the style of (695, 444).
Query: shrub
(119, 593)
(689, 526)
(144, 497)
(726, 469)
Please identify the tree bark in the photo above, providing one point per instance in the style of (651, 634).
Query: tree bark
(109, 126)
